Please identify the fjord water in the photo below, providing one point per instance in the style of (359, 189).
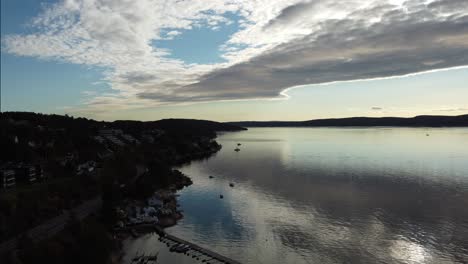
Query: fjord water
(332, 195)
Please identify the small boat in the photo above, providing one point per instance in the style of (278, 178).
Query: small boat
(136, 257)
(237, 149)
(173, 248)
(231, 184)
(142, 259)
(211, 177)
(180, 248)
(221, 196)
(238, 144)
(153, 257)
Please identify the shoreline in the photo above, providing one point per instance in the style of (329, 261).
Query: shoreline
(169, 195)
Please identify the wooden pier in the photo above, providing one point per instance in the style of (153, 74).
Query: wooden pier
(197, 252)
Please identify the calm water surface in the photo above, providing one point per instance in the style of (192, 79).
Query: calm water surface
(330, 195)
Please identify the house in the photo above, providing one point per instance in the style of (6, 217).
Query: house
(13, 174)
(115, 141)
(142, 215)
(25, 173)
(7, 178)
(166, 211)
(149, 219)
(155, 202)
(111, 135)
(149, 211)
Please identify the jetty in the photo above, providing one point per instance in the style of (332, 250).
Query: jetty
(190, 249)
(179, 245)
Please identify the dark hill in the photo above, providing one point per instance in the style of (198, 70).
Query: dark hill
(177, 125)
(182, 124)
(418, 121)
(69, 122)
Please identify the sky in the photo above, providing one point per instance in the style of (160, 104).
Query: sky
(236, 59)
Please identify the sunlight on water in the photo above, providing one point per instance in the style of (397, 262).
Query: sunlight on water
(409, 252)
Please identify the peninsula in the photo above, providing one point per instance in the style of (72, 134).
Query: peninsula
(69, 186)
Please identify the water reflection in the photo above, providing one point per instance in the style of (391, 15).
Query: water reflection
(332, 195)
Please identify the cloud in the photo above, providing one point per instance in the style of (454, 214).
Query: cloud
(278, 45)
(375, 108)
(292, 13)
(171, 34)
(347, 49)
(461, 109)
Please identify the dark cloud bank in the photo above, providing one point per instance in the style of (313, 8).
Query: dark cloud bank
(405, 41)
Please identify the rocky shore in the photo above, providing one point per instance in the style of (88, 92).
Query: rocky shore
(138, 217)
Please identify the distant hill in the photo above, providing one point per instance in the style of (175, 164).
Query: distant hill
(417, 121)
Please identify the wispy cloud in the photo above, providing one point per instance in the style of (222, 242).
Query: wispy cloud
(279, 44)
(461, 109)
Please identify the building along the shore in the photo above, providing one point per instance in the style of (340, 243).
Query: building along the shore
(7, 178)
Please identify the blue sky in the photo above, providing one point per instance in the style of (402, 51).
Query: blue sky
(200, 44)
(234, 61)
(31, 84)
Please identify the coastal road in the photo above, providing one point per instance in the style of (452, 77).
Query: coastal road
(54, 225)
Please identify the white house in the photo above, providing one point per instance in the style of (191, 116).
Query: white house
(155, 202)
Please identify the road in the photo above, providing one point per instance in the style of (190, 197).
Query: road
(54, 225)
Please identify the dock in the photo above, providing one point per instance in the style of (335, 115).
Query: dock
(197, 252)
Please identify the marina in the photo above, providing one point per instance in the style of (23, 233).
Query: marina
(176, 245)
(198, 253)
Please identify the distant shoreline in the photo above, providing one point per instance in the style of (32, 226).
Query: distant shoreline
(417, 121)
